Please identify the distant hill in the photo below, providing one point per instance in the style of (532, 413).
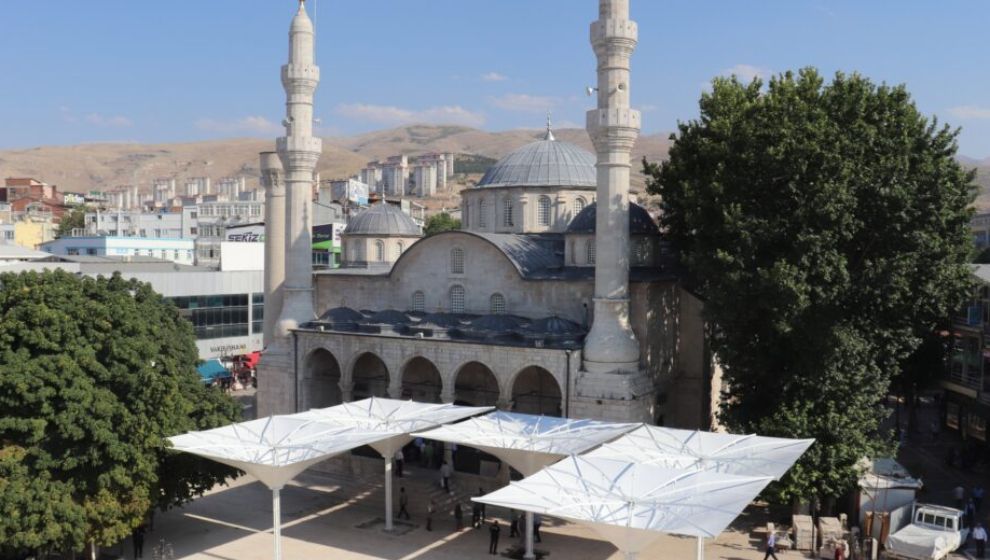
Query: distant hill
(85, 167)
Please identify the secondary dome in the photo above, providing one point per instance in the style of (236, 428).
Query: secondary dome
(544, 163)
(382, 219)
(640, 221)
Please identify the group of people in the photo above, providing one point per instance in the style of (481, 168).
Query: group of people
(971, 507)
(478, 519)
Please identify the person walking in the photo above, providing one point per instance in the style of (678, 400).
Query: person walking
(445, 472)
(400, 460)
(537, 521)
(980, 536)
(475, 515)
(458, 517)
(430, 508)
(403, 503)
(513, 523)
(494, 530)
(771, 546)
(138, 538)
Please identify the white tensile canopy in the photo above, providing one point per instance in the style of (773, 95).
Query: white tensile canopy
(390, 416)
(528, 442)
(746, 455)
(629, 504)
(275, 450)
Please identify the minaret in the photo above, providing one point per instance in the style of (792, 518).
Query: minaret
(271, 181)
(299, 151)
(611, 345)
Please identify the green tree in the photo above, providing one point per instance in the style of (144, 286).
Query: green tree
(825, 226)
(73, 219)
(94, 374)
(440, 222)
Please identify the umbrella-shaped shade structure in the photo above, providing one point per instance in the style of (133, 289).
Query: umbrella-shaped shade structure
(396, 418)
(528, 443)
(628, 503)
(747, 455)
(274, 450)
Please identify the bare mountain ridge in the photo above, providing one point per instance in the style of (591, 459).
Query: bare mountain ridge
(86, 167)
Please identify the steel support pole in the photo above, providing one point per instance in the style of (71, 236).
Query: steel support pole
(388, 493)
(529, 555)
(277, 522)
(701, 548)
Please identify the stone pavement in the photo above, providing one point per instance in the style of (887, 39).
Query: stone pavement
(321, 515)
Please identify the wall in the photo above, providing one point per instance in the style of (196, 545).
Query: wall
(525, 208)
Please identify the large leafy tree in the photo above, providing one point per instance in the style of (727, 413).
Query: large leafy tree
(94, 374)
(440, 222)
(826, 227)
(75, 218)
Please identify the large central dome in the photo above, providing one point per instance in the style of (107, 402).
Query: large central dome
(544, 163)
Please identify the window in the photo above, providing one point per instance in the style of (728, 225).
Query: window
(220, 315)
(507, 212)
(192, 231)
(257, 313)
(579, 204)
(483, 213)
(91, 251)
(457, 260)
(466, 214)
(590, 249)
(543, 211)
(457, 299)
(192, 215)
(418, 301)
(379, 250)
(398, 249)
(497, 304)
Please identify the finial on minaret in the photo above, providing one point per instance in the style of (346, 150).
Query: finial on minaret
(549, 135)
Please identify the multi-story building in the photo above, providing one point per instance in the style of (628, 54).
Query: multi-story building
(213, 220)
(967, 379)
(198, 186)
(25, 194)
(980, 226)
(424, 180)
(135, 223)
(179, 251)
(395, 175)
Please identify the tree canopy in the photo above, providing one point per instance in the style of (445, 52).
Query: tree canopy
(75, 218)
(826, 226)
(94, 374)
(440, 222)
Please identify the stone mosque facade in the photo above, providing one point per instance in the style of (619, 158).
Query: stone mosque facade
(557, 296)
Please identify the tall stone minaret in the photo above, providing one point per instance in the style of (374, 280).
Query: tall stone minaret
(299, 151)
(611, 346)
(271, 180)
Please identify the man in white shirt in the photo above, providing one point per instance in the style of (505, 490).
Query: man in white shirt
(445, 472)
(771, 546)
(980, 536)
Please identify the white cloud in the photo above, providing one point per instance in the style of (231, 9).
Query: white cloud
(391, 115)
(494, 77)
(747, 72)
(249, 125)
(558, 125)
(647, 108)
(524, 102)
(115, 121)
(970, 112)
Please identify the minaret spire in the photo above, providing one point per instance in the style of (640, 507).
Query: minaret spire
(611, 345)
(299, 151)
(549, 135)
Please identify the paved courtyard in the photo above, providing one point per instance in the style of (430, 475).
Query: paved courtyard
(321, 515)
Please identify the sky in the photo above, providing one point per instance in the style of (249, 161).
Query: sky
(186, 70)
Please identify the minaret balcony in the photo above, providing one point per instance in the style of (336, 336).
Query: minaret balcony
(621, 32)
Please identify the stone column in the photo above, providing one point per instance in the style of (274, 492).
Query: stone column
(613, 126)
(271, 180)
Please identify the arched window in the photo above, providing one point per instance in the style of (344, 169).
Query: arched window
(418, 301)
(497, 304)
(579, 204)
(507, 212)
(483, 213)
(543, 216)
(379, 250)
(590, 248)
(399, 247)
(457, 260)
(573, 252)
(457, 299)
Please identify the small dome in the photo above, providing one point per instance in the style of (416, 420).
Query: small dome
(555, 326)
(383, 219)
(499, 323)
(544, 163)
(640, 221)
(342, 315)
(389, 317)
(443, 320)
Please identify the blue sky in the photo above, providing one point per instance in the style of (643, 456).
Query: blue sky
(183, 70)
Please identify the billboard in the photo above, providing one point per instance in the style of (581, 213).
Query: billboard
(327, 236)
(350, 190)
(248, 233)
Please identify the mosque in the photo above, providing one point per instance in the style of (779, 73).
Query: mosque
(558, 296)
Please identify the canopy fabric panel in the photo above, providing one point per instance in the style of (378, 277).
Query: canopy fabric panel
(212, 370)
(528, 442)
(392, 416)
(276, 449)
(625, 501)
(748, 455)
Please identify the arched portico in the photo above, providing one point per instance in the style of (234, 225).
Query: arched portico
(475, 384)
(321, 380)
(535, 391)
(421, 381)
(369, 376)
